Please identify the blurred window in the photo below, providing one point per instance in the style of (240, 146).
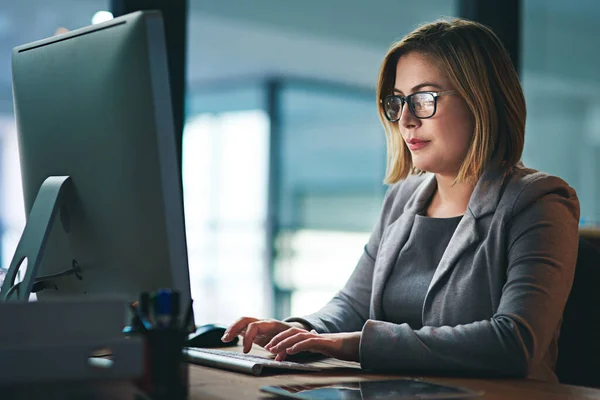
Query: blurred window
(225, 172)
(561, 82)
(331, 166)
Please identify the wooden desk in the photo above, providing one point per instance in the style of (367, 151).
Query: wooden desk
(211, 383)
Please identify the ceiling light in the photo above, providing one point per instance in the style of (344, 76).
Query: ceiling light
(102, 16)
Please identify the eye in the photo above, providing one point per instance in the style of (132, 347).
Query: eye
(423, 104)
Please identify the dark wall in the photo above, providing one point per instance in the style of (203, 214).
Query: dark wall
(175, 15)
(504, 17)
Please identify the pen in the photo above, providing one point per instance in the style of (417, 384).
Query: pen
(163, 308)
(139, 320)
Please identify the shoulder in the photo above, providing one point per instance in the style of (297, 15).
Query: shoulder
(526, 187)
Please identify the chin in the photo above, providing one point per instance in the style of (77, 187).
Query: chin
(425, 165)
(436, 168)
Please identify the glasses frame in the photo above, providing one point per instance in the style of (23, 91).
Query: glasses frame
(407, 100)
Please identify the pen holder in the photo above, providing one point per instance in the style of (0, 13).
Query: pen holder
(165, 370)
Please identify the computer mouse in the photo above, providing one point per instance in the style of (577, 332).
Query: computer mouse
(209, 335)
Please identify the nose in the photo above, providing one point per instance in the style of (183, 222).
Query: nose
(407, 119)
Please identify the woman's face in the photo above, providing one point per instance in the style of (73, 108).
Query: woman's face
(438, 144)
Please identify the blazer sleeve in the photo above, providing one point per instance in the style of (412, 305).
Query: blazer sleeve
(348, 310)
(542, 252)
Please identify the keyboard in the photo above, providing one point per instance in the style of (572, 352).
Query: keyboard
(240, 362)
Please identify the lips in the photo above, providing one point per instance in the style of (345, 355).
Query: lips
(416, 144)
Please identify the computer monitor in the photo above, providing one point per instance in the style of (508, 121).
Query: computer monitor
(98, 158)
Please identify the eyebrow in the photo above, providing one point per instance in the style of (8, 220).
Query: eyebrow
(420, 86)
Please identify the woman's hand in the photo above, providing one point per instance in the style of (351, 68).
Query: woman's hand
(259, 331)
(344, 346)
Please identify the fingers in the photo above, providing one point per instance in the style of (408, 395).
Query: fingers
(259, 339)
(313, 344)
(281, 356)
(344, 346)
(251, 332)
(237, 328)
(257, 329)
(282, 336)
(289, 340)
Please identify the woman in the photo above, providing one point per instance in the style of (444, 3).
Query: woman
(471, 262)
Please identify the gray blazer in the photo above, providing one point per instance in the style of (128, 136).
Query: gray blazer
(494, 306)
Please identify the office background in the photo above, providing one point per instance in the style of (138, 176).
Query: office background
(283, 156)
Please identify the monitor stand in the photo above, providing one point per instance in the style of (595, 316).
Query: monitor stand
(49, 200)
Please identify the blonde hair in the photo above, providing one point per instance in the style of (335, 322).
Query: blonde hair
(481, 71)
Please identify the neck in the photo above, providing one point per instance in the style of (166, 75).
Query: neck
(450, 199)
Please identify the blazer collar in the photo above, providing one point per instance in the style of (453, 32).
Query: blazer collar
(484, 200)
(421, 195)
(487, 192)
(394, 238)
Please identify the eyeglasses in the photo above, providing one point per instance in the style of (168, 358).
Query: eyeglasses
(421, 104)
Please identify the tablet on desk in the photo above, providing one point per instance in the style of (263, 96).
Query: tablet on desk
(367, 390)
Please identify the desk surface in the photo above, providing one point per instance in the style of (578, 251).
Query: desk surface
(211, 383)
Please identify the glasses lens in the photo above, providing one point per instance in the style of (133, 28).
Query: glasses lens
(392, 105)
(422, 104)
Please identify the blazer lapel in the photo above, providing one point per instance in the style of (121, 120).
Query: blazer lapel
(483, 201)
(464, 237)
(393, 239)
